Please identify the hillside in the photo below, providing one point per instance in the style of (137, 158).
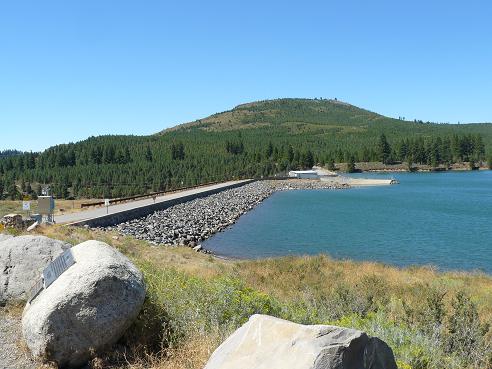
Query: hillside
(252, 140)
(322, 118)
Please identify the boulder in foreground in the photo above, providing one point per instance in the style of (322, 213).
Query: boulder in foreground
(87, 308)
(266, 342)
(4, 237)
(22, 260)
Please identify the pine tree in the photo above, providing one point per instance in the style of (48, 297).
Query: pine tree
(38, 189)
(28, 188)
(269, 150)
(330, 164)
(351, 165)
(410, 163)
(13, 192)
(290, 154)
(384, 149)
(148, 154)
(308, 160)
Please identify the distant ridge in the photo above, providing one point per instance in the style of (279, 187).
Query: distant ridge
(321, 112)
(7, 153)
(252, 140)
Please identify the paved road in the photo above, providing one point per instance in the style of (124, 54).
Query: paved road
(113, 209)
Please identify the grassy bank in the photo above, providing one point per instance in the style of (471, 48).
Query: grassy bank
(430, 319)
(61, 206)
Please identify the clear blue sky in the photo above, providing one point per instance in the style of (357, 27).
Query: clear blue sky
(72, 69)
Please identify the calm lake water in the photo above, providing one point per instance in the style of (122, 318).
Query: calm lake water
(443, 219)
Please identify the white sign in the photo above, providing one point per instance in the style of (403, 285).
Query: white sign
(26, 205)
(57, 267)
(106, 202)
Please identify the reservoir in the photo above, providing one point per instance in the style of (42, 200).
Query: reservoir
(440, 219)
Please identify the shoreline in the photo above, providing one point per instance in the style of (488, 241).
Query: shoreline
(379, 167)
(192, 222)
(422, 170)
(430, 267)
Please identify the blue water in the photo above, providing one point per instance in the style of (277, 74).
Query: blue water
(440, 219)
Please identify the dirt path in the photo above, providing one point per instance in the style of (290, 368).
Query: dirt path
(12, 355)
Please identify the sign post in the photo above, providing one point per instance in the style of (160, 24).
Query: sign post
(106, 203)
(46, 205)
(26, 206)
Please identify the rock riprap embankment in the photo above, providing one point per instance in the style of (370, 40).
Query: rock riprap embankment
(85, 310)
(268, 342)
(22, 260)
(191, 222)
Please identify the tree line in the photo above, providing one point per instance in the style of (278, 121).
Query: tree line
(250, 141)
(116, 166)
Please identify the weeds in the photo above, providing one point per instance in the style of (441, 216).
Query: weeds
(430, 320)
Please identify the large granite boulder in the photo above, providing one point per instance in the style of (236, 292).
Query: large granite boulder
(85, 310)
(4, 237)
(22, 260)
(265, 342)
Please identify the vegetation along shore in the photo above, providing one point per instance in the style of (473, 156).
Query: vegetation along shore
(194, 301)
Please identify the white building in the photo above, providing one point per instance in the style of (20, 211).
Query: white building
(304, 174)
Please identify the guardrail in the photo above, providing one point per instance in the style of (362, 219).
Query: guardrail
(145, 209)
(152, 194)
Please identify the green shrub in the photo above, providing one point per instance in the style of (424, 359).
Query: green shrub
(465, 335)
(193, 305)
(180, 305)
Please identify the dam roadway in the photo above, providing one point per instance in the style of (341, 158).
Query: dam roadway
(114, 214)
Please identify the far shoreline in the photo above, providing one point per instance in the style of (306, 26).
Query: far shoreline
(376, 167)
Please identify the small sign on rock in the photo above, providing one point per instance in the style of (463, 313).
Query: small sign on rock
(57, 267)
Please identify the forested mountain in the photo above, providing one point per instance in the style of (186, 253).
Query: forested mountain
(6, 153)
(252, 140)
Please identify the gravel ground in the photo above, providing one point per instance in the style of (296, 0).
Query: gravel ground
(194, 221)
(12, 355)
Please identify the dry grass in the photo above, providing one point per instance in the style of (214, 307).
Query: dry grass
(195, 291)
(181, 258)
(285, 277)
(192, 354)
(61, 206)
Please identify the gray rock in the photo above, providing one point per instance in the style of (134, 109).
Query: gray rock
(22, 259)
(267, 342)
(375, 354)
(12, 220)
(87, 308)
(4, 237)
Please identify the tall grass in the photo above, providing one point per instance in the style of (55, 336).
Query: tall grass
(431, 320)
